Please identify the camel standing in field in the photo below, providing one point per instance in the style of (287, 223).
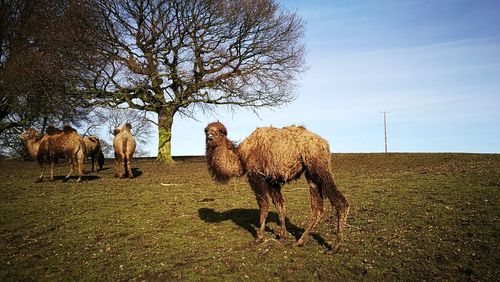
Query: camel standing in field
(57, 143)
(271, 157)
(124, 145)
(94, 151)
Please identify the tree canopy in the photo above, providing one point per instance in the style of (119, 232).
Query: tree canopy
(173, 56)
(61, 58)
(45, 54)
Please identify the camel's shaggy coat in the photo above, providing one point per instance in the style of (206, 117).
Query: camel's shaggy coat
(124, 145)
(57, 143)
(94, 151)
(271, 157)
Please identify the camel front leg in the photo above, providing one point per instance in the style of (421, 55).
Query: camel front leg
(52, 165)
(40, 178)
(264, 210)
(259, 187)
(92, 160)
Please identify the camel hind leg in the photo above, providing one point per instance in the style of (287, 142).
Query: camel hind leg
(129, 166)
(317, 209)
(80, 162)
(340, 203)
(118, 165)
(342, 206)
(71, 169)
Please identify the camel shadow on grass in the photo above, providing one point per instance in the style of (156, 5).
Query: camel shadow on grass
(136, 172)
(73, 178)
(248, 219)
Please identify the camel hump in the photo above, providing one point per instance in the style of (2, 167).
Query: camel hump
(68, 129)
(296, 128)
(51, 130)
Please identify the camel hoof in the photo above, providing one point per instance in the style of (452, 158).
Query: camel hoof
(51, 180)
(298, 244)
(259, 239)
(283, 235)
(335, 248)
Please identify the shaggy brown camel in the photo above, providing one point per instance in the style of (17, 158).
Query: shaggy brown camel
(94, 151)
(56, 144)
(124, 145)
(271, 157)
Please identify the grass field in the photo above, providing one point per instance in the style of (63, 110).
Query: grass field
(413, 217)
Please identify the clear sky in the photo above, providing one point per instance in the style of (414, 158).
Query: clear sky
(434, 65)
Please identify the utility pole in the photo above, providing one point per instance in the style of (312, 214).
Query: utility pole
(385, 129)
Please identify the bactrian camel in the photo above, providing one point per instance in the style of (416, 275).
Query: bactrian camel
(271, 157)
(94, 151)
(56, 144)
(124, 145)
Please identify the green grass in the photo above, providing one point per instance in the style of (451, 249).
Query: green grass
(413, 217)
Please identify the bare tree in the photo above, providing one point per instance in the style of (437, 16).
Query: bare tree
(180, 57)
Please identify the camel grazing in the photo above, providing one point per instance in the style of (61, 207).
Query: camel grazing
(57, 143)
(94, 151)
(271, 157)
(124, 145)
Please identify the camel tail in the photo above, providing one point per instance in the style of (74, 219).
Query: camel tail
(124, 152)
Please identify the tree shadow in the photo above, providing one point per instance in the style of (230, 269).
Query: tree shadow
(248, 219)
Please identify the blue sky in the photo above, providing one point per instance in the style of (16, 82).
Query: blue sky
(434, 65)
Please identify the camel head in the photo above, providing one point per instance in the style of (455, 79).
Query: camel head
(30, 134)
(222, 158)
(215, 131)
(127, 127)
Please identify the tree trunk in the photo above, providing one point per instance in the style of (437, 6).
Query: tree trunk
(165, 120)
